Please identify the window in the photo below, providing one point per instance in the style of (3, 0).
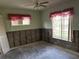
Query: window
(17, 20)
(61, 24)
(14, 23)
(26, 21)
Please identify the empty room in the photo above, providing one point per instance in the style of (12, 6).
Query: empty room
(39, 29)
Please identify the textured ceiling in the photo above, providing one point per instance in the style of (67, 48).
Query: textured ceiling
(26, 4)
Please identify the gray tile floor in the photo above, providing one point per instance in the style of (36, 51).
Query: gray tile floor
(39, 50)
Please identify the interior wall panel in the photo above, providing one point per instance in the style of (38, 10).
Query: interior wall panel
(16, 39)
(74, 45)
(23, 37)
(11, 39)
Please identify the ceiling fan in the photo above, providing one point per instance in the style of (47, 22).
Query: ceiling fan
(40, 4)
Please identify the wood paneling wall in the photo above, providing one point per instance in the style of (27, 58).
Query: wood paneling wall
(47, 36)
(18, 38)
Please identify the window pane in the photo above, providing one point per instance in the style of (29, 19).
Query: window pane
(56, 27)
(61, 26)
(14, 22)
(26, 20)
(65, 23)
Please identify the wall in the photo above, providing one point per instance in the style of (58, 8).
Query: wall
(73, 3)
(35, 21)
(23, 37)
(47, 25)
(20, 35)
(74, 45)
(3, 38)
(41, 20)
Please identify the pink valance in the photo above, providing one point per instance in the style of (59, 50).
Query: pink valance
(68, 11)
(17, 16)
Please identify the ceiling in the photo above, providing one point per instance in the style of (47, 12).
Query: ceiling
(27, 4)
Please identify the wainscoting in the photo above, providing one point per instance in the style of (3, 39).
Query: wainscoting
(47, 36)
(18, 38)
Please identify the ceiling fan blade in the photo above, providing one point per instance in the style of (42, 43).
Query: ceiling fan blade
(44, 2)
(43, 5)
